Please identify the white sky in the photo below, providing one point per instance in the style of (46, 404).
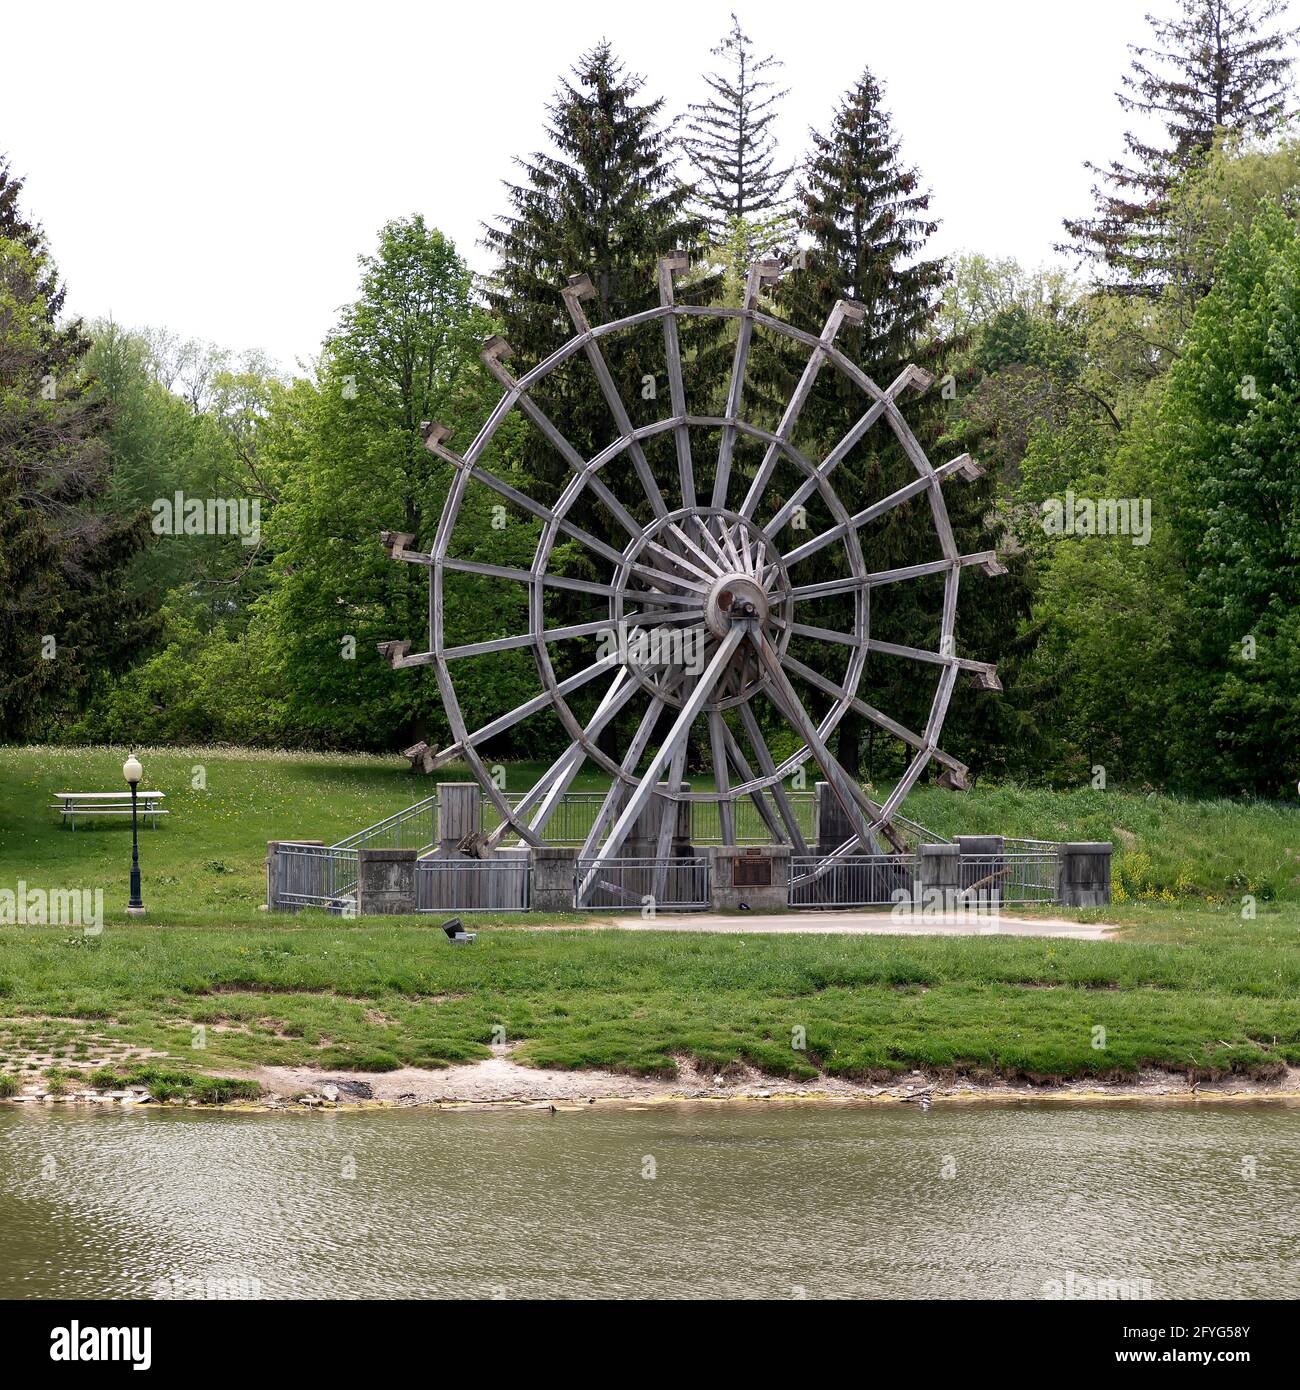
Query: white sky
(217, 169)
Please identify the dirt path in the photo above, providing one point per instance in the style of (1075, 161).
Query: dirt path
(863, 923)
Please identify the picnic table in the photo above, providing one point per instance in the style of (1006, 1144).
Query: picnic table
(70, 805)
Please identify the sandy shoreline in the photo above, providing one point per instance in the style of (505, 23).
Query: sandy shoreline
(500, 1082)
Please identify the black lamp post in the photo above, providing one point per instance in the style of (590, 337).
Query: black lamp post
(132, 771)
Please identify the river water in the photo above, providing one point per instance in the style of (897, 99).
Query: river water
(770, 1200)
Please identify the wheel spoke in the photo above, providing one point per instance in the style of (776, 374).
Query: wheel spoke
(562, 581)
(635, 749)
(842, 310)
(677, 736)
(932, 658)
(561, 634)
(877, 509)
(668, 265)
(543, 701)
(520, 500)
(704, 571)
(764, 273)
(821, 634)
(668, 824)
(871, 581)
(841, 451)
(555, 437)
(880, 720)
(615, 699)
(741, 764)
(941, 697)
(580, 288)
(767, 766)
(710, 568)
(718, 749)
(864, 815)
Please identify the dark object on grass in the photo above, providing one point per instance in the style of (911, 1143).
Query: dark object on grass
(457, 934)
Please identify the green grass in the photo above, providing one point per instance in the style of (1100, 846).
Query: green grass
(1190, 986)
(1167, 848)
(377, 997)
(206, 863)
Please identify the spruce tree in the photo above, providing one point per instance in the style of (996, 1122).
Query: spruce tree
(867, 221)
(64, 614)
(1218, 66)
(730, 140)
(606, 202)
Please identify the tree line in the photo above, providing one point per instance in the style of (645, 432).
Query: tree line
(1136, 412)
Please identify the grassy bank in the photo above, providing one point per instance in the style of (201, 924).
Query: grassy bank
(374, 998)
(1190, 985)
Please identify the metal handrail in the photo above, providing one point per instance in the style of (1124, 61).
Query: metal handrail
(392, 827)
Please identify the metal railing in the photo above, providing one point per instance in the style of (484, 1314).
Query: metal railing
(750, 826)
(315, 876)
(852, 880)
(675, 885)
(875, 880)
(472, 885)
(1019, 876)
(413, 828)
(918, 834)
(569, 824)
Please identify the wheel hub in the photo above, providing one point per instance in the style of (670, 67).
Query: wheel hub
(727, 566)
(735, 598)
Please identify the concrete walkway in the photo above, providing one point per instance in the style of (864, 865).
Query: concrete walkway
(864, 924)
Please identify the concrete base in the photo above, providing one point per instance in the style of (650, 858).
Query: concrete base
(551, 888)
(981, 845)
(385, 881)
(938, 871)
(755, 863)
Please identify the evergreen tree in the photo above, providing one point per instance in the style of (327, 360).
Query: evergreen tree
(731, 143)
(605, 202)
(1219, 65)
(867, 220)
(64, 614)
